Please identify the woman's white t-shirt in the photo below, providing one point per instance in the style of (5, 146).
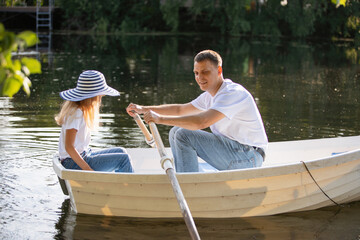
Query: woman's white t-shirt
(242, 120)
(83, 136)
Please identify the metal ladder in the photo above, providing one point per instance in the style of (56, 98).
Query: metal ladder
(44, 18)
(44, 28)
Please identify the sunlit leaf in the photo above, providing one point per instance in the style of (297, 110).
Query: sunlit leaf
(26, 85)
(19, 76)
(29, 37)
(8, 42)
(11, 86)
(25, 70)
(339, 2)
(32, 64)
(16, 65)
(7, 61)
(13, 73)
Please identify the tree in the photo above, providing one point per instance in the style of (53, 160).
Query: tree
(14, 73)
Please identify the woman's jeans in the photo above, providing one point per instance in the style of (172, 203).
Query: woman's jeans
(111, 159)
(220, 152)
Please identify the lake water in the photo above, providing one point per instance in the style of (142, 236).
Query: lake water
(304, 90)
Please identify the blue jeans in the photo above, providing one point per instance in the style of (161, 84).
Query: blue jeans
(111, 159)
(220, 152)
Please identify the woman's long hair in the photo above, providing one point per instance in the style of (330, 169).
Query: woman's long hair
(90, 108)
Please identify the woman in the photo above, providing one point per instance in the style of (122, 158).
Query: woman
(78, 116)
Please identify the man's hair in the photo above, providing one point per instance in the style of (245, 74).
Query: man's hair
(210, 55)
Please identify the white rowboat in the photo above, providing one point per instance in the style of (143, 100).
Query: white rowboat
(296, 176)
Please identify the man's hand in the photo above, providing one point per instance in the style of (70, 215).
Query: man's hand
(134, 108)
(151, 116)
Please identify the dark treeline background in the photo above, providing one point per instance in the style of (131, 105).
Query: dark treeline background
(297, 18)
(280, 18)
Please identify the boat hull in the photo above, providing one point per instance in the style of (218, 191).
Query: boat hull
(280, 186)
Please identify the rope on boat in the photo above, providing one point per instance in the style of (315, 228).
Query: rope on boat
(307, 169)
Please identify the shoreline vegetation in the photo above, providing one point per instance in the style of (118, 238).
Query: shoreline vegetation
(312, 21)
(245, 36)
(298, 19)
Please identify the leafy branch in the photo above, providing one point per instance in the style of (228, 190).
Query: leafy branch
(14, 73)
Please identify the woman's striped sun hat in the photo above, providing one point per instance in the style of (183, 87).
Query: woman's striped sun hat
(91, 83)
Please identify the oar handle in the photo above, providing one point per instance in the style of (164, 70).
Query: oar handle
(148, 137)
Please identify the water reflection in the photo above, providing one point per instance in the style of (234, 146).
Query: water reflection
(327, 223)
(303, 90)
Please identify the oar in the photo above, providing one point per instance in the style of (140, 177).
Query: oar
(167, 165)
(148, 137)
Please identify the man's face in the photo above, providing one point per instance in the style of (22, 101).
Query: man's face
(208, 76)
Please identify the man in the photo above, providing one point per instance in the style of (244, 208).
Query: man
(238, 138)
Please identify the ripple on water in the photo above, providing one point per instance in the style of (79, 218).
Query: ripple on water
(29, 191)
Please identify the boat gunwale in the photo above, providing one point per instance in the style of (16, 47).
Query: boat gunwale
(199, 177)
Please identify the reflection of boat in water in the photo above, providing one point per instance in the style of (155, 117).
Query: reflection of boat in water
(296, 176)
(330, 223)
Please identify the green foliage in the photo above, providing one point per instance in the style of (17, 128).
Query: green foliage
(170, 11)
(301, 15)
(228, 16)
(14, 73)
(294, 18)
(235, 12)
(14, 3)
(353, 21)
(111, 15)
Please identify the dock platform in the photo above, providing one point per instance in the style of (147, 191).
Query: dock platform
(29, 9)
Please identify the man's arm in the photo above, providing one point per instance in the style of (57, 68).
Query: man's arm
(196, 121)
(166, 109)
